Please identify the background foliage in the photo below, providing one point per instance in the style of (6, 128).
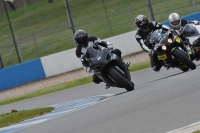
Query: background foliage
(42, 28)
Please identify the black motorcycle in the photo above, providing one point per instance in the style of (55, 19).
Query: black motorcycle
(109, 67)
(171, 50)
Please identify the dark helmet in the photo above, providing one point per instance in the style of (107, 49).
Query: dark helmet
(81, 38)
(142, 22)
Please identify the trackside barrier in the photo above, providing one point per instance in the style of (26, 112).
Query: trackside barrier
(21, 74)
(64, 61)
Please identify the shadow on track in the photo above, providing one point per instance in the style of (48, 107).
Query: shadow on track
(121, 93)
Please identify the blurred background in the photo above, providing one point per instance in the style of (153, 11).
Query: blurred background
(34, 28)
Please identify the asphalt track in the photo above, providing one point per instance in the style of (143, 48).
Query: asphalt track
(161, 102)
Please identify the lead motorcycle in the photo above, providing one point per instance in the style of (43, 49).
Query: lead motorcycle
(109, 67)
(171, 50)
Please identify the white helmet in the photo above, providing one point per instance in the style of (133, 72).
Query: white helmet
(175, 21)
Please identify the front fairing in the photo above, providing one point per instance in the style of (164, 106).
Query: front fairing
(97, 56)
(191, 31)
(164, 54)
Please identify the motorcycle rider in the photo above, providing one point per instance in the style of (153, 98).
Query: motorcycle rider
(83, 42)
(145, 28)
(177, 23)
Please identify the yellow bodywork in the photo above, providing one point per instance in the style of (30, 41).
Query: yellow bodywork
(178, 39)
(162, 57)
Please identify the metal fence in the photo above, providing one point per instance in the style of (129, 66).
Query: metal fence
(43, 27)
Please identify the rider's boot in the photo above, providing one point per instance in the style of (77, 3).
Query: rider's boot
(107, 86)
(127, 64)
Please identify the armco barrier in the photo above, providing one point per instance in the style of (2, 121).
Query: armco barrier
(21, 74)
(64, 61)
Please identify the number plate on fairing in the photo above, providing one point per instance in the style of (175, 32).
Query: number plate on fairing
(162, 57)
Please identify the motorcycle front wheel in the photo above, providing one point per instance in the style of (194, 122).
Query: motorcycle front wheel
(121, 79)
(184, 58)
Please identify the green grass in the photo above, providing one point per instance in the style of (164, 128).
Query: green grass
(43, 28)
(67, 85)
(198, 131)
(17, 116)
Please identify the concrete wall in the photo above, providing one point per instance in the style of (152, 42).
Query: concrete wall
(65, 61)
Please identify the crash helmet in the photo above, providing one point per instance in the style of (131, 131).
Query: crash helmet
(175, 21)
(142, 22)
(81, 38)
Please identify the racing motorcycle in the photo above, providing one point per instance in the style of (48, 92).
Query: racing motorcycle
(171, 50)
(109, 67)
(191, 33)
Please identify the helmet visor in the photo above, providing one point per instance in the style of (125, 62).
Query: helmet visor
(138, 22)
(176, 22)
(82, 41)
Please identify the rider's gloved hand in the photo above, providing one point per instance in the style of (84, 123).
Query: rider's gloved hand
(149, 51)
(110, 47)
(88, 70)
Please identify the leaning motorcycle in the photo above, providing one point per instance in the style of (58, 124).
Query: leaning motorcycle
(171, 50)
(109, 67)
(191, 33)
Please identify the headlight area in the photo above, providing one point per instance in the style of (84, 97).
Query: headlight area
(164, 47)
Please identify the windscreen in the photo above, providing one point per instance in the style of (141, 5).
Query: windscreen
(190, 30)
(156, 36)
(92, 52)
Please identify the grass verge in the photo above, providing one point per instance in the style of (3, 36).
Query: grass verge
(67, 85)
(17, 116)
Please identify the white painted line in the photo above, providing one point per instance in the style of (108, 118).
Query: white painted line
(60, 110)
(187, 129)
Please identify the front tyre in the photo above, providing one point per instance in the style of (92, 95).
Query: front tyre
(184, 58)
(121, 79)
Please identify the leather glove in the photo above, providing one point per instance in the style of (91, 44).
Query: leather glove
(149, 51)
(110, 47)
(145, 41)
(88, 70)
(82, 58)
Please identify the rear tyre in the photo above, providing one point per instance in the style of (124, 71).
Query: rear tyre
(184, 58)
(120, 78)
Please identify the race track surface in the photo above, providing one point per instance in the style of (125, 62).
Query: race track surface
(161, 102)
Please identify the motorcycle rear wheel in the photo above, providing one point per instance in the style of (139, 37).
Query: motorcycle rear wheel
(120, 78)
(184, 58)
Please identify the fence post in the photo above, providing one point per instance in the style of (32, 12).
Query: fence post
(11, 30)
(150, 9)
(19, 48)
(194, 5)
(107, 17)
(130, 15)
(71, 24)
(1, 63)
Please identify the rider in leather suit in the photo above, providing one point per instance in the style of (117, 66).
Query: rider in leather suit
(177, 23)
(145, 28)
(83, 42)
